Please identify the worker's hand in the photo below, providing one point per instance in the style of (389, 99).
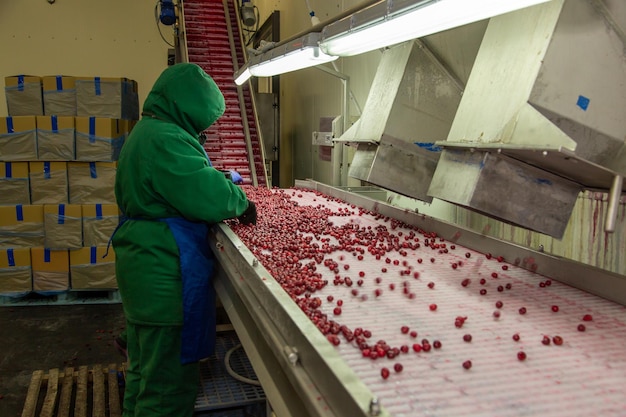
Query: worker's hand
(236, 178)
(248, 216)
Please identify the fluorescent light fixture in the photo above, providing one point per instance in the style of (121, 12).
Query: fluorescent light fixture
(242, 75)
(394, 21)
(300, 53)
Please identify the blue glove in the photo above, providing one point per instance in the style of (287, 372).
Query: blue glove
(236, 178)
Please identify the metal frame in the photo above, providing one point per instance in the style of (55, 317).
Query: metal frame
(301, 372)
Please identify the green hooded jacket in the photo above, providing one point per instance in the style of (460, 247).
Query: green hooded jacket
(163, 172)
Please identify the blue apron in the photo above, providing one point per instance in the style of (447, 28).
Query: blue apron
(196, 270)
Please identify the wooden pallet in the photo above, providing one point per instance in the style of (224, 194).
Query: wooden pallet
(92, 393)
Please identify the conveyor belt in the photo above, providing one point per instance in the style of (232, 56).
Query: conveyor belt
(586, 375)
(209, 46)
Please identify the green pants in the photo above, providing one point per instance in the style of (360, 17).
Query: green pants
(156, 382)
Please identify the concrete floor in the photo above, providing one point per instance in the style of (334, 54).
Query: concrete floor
(50, 336)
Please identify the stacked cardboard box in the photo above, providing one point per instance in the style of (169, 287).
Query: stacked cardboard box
(58, 151)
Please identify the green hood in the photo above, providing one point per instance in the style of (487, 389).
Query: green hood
(185, 95)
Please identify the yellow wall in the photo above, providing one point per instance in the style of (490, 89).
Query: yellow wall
(113, 38)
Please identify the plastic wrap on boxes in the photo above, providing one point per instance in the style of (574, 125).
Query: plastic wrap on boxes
(115, 98)
(92, 182)
(15, 272)
(98, 139)
(63, 226)
(59, 95)
(23, 95)
(51, 270)
(99, 223)
(21, 226)
(14, 184)
(18, 138)
(48, 182)
(90, 269)
(55, 138)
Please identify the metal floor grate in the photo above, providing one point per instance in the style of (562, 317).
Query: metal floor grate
(219, 390)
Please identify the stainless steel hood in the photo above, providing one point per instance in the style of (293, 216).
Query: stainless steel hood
(543, 115)
(410, 106)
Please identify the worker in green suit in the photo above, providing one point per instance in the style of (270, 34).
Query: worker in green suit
(170, 195)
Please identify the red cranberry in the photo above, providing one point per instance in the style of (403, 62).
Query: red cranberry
(587, 317)
(467, 254)
(505, 267)
(346, 267)
(426, 347)
(419, 260)
(404, 329)
(521, 356)
(431, 285)
(483, 291)
(454, 266)
(548, 283)
(437, 344)
(404, 349)
(558, 340)
(499, 304)
(413, 334)
(545, 340)
(383, 270)
(555, 308)
(384, 373)
(542, 285)
(465, 282)
(339, 303)
(432, 307)
(488, 256)
(392, 286)
(500, 258)
(397, 367)
(494, 275)
(581, 328)
(522, 310)
(508, 286)
(417, 347)
(516, 337)
(361, 274)
(467, 338)
(416, 275)
(467, 364)
(496, 314)
(378, 292)
(330, 298)
(500, 288)
(482, 281)
(432, 260)
(337, 311)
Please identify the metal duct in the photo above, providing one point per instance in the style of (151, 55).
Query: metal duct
(547, 91)
(410, 106)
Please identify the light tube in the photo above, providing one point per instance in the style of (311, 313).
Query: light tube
(395, 21)
(300, 53)
(242, 75)
(306, 57)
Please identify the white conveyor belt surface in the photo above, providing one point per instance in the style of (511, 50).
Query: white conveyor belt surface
(584, 376)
